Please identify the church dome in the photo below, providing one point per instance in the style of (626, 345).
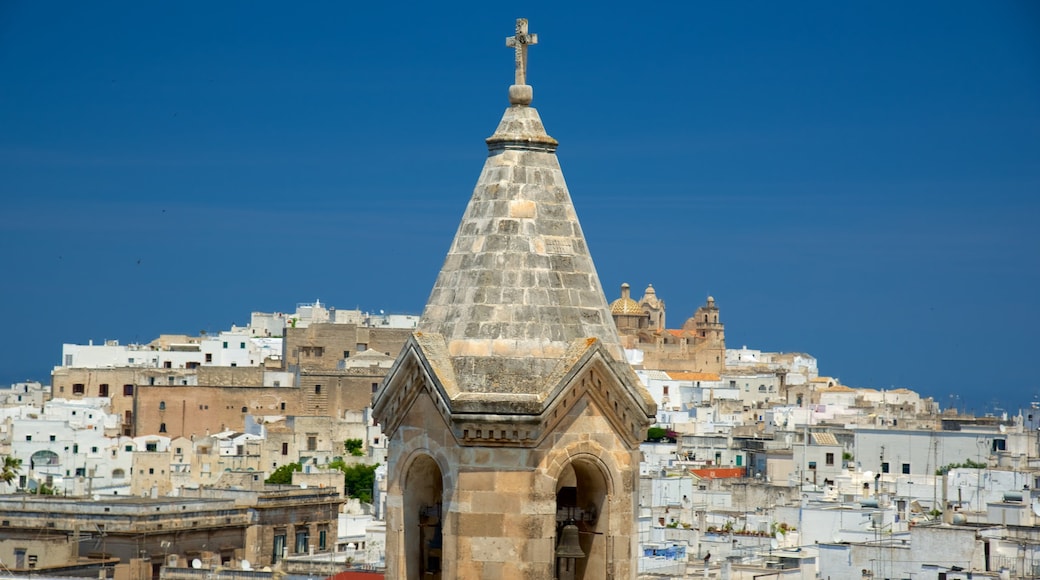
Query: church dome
(625, 304)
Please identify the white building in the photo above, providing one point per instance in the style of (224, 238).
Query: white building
(66, 446)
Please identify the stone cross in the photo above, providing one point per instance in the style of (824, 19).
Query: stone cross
(519, 42)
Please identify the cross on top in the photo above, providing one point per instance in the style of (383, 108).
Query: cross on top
(519, 42)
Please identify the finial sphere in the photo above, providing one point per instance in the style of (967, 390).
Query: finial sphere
(520, 94)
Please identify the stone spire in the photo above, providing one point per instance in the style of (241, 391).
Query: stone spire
(512, 399)
(518, 286)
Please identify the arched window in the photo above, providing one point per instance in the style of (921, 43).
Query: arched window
(118, 474)
(45, 457)
(162, 427)
(162, 405)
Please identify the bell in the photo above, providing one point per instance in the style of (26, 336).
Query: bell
(569, 546)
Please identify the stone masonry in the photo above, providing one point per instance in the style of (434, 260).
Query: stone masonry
(511, 411)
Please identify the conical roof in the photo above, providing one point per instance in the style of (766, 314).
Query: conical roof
(518, 286)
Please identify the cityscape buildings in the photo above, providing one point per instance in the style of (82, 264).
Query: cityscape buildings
(522, 427)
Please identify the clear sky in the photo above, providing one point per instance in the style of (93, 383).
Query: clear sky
(855, 180)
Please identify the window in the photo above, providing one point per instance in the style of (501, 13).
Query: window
(128, 390)
(151, 471)
(312, 442)
(346, 354)
(829, 459)
(162, 427)
(665, 387)
(285, 448)
(28, 437)
(78, 389)
(323, 538)
(362, 346)
(906, 468)
(225, 344)
(68, 360)
(151, 446)
(178, 451)
(81, 471)
(102, 390)
(303, 538)
(317, 389)
(209, 357)
(812, 465)
(53, 438)
(118, 474)
(283, 405)
(375, 387)
(245, 410)
(162, 405)
(241, 345)
(279, 546)
(93, 449)
(191, 365)
(129, 448)
(167, 364)
(884, 467)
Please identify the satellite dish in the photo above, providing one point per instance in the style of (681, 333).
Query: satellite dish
(246, 565)
(837, 539)
(1036, 509)
(778, 535)
(196, 563)
(303, 485)
(868, 474)
(774, 544)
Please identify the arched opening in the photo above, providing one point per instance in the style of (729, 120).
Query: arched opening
(582, 499)
(44, 457)
(423, 493)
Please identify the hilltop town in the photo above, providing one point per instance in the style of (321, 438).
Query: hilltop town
(154, 457)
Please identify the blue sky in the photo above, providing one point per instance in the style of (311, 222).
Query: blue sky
(858, 181)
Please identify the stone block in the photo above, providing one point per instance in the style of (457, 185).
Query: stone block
(495, 549)
(522, 209)
(478, 525)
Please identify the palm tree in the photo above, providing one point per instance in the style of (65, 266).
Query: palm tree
(9, 471)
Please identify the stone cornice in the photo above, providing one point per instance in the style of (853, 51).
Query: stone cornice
(508, 419)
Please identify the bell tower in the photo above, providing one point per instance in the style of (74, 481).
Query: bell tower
(512, 418)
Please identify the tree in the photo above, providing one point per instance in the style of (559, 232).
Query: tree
(655, 434)
(353, 447)
(283, 475)
(11, 467)
(359, 480)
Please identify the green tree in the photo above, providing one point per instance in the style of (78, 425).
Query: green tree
(359, 480)
(283, 475)
(9, 471)
(353, 447)
(656, 434)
